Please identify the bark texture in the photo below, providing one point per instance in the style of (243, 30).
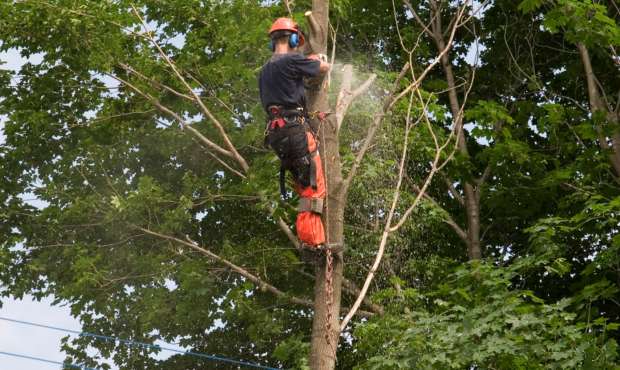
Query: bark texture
(325, 334)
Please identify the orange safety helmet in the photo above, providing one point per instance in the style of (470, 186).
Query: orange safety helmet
(287, 24)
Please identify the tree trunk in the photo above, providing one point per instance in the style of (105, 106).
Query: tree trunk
(325, 334)
(472, 198)
(598, 105)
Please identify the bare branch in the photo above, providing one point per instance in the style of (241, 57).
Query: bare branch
(238, 269)
(228, 167)
(386, 230)
(287, 3)
(260, 283)
(417, 18)
(422, 76)
(156, 84)
(378, 118)
(288, 232)
(231, 148)
(213, 146)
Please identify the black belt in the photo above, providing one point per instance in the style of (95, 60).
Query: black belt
(278, 111)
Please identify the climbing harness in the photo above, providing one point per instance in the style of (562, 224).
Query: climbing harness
(289, 133)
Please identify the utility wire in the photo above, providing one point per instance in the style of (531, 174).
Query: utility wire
(63, 364)
(133, 343)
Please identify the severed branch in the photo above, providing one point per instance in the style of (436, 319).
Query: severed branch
(314, 25)
(391, 100)
(315, 31)
(455, 133)
(346, 96)
(386, 230)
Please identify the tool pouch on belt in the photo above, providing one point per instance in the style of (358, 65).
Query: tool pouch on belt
(290, 143)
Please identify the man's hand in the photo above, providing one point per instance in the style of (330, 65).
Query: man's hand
(322, 58)
(319, 57)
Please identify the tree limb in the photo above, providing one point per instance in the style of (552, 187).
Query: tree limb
(262, 284)
(231, 148)
(352, 289)
(446, 218)
(455, 193)
(417, 18)
(386, 230)
(238, 269)
(174, 115)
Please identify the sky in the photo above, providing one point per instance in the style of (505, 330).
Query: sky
(32, 341)
(21, 339)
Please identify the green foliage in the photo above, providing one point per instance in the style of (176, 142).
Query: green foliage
(582, 21)
(479, 318)
(102, 163)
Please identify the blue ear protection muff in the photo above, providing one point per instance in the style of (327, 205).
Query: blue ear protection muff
(293, 40)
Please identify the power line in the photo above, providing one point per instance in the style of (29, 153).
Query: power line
(133, 343)
(64, 364)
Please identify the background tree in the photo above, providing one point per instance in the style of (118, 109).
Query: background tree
(147, 240)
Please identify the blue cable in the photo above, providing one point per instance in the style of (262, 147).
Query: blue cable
(141, 344)
(64, 364)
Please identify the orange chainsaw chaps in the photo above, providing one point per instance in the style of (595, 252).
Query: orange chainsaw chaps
(310, 228)
(309, 225)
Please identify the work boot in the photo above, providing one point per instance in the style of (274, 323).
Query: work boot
(308, 253)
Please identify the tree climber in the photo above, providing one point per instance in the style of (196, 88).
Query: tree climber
(288, 130)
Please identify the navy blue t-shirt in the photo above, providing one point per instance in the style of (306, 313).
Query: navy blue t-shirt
(281, 79)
